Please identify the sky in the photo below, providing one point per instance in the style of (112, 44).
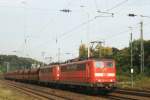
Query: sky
(38, 29)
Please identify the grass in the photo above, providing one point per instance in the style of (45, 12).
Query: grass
(142, 82)
(7, 93)
(139, 81)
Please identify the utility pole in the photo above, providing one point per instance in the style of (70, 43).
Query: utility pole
(131, 47)
(88, 28)
(131, 51)
(43, 56)
(142, 47)
(58, 55)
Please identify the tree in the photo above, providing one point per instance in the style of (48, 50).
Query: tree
(97, 52)
(123, 57)
(83, 51)
(101, 52)
(16, 62)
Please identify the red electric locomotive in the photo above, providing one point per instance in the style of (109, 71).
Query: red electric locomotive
(91, 73)
(49, 74)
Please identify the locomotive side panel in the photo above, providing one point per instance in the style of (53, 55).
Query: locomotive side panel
(78, 73)
(49, 74)
(73, 73)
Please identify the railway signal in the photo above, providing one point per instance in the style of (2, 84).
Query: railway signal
(132, 77)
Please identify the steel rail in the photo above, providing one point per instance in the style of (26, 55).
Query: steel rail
(142, 93)
(129, 94)
(37, 93)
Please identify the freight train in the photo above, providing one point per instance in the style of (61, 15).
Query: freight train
(90, 73)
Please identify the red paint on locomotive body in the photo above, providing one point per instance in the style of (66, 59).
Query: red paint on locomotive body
(105, 72)
(96, 73)
(49, 74)
(73, 73)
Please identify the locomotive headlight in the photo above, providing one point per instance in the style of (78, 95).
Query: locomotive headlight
(111, 74)
(99, 74)
(99, 80)
(105, 74)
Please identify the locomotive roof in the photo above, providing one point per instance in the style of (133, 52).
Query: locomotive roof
(87, 60)
(49, 66)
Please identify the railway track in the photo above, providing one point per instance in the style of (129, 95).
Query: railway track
(129, 94)
(44, 93)
(38, 94)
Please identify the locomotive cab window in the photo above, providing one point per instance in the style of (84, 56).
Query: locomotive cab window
(99, 64)
(109, 64)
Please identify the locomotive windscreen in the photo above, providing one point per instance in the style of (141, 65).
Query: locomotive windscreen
(108, 64)
(99, 64)
(102, 64)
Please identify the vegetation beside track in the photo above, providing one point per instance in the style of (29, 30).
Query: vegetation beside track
(14, 62)
(139, 81)
(7, 93)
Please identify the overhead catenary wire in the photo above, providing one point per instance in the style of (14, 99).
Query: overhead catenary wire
(123, 4)
(82, 24)
(123, 32)
(117, 5)
(69, 31)
(45, 26)
(76, 27)
(86, 22)
(79, 26)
